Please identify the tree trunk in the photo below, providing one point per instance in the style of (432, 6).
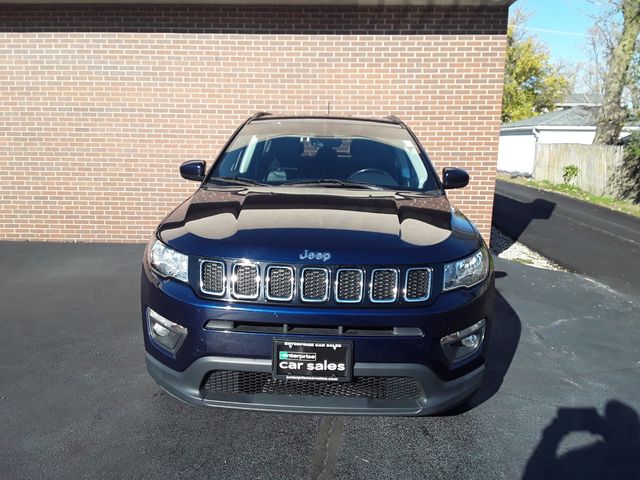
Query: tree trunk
(612, 115)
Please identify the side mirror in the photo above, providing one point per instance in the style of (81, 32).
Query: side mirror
(193, 170)
(454, 178)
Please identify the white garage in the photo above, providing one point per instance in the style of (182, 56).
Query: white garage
(518, 140)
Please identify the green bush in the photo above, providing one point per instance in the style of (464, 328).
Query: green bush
(569, 173)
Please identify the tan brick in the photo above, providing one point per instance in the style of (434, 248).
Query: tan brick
(100, 104)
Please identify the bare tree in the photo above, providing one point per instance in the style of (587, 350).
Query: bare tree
(602, 37)
(613, 114)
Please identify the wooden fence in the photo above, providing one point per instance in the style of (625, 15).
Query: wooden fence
(596, 165)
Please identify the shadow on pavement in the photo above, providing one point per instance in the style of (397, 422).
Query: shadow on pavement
(502, 344)
(614, 452)
(512, 217)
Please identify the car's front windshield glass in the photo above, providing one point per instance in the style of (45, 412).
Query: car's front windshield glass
(346, 153)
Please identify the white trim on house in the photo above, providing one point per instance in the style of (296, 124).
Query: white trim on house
(545, 127)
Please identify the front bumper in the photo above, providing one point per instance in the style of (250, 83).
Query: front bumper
(439, 395)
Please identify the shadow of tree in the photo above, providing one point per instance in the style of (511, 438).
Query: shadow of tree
(513, 217)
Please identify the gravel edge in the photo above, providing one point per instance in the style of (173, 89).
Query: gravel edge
(505, 247)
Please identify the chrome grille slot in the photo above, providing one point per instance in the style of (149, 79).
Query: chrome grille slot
(279, 283)
(262, 282)
(418, 284)
(212, 278)
(349, 285)
(384, 285)
(245, 281)
(314, 285)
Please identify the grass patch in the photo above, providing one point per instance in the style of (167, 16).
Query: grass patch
(524, 261)
(575, 192)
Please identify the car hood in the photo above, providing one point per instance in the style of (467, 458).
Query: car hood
(352, 226)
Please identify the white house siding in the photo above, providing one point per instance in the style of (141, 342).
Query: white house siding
(517, 151)
(584, 137)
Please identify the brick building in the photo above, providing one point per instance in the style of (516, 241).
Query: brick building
(99, 104)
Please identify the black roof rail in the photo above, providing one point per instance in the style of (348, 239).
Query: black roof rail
(257, 115)
(393, 119)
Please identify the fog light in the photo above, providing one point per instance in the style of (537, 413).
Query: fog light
(164, 332)
(160, 330)
(460, 345)
(472, 341)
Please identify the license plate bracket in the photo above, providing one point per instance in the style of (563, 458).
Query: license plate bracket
(313, 360)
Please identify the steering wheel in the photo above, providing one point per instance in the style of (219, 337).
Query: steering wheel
(370, 170)
(382, 174)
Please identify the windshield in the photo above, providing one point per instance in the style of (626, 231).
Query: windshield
(311, 152)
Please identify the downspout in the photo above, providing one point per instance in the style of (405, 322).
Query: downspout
(536, 133)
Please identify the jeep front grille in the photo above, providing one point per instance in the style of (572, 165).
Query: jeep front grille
(252, 281)
(279, 283)
(253, 383)
(212, 279)
(384, 285)
(418, 284)
(349, 285)
(314, 285)
(245, 281)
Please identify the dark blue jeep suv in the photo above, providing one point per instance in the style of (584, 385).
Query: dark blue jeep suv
(318, 268)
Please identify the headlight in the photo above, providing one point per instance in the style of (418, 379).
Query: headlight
(169, 263)
(468, 271)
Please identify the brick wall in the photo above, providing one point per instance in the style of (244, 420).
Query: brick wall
(100, 104)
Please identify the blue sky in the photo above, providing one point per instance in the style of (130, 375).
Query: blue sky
(561, 24)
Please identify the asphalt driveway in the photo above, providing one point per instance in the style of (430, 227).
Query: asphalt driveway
(584, 238)
(76, 402)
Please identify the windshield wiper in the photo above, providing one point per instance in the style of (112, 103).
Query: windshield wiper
(234, 181)
(334, 182)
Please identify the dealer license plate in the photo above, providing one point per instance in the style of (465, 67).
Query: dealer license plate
(319, 360)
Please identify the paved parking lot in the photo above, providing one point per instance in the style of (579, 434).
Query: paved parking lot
(561, 400)
(580, 236)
